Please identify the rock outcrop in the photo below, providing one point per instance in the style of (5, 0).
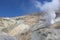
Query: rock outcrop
(29, 27)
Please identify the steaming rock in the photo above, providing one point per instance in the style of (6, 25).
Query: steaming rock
(30, 27)
(4, 36)
(50, 8)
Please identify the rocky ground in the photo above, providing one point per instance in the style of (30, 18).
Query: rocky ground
(29, 27)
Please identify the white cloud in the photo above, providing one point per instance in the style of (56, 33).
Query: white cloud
(38, 4)
(50, 8)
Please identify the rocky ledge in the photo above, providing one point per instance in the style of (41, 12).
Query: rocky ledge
(29, 27)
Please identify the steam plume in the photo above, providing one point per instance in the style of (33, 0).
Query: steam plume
(50, 8)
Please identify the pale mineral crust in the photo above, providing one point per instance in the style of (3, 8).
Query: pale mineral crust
(29, 27)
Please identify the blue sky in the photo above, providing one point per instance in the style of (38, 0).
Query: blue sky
(11, 8)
